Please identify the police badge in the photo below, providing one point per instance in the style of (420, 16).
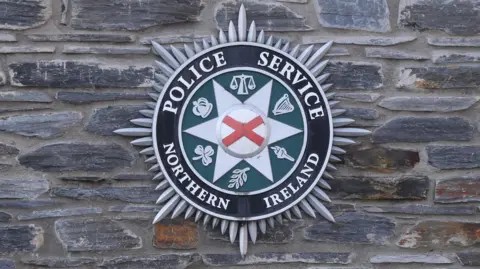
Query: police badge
(242, 132)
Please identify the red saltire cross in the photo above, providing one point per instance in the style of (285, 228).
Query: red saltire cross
(243, 129)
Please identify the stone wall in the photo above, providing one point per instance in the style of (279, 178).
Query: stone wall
(73, 195)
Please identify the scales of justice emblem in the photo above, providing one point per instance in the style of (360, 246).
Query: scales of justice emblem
(241, 143)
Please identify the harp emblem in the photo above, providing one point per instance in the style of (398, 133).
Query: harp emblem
(283, 106)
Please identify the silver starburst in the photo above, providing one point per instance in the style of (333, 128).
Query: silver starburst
(173, 205)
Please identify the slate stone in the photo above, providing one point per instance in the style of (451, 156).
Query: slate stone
(445, 77)
(176, 234)
(7, 150)
(469, 258)
(80, 98)
(7, 37)
(73, 74)
(367, 15)
(175, 38)
(57, 262)
(104, 38)
(415, 258)
(24, 107)
(134, 208)
(454, 157)
(381, 159)
(5, 217)
(394, 54)
(358, 40)
(424, 129)
(352, 228)
(277, 258)
(24, 187)
(7, 264)
(60, 213)
(457, 17)
(361, 113)
(20, 238)
(2, 78)
(294, 1)
(407, 187)
(357, 97)
(361, 75)
(281, 234)
(90, 234)
(434, 234)
(24, 14)
(164, 261)
(22, 96)
(141, 195)
(133, 177)
(105, 120)
(122, 50)
(419, 209)
(454, 41)
(428, 103)
(446, 57)
(77, 156)
(269, 16)
(46, 126)
(89, 179)
(132, 14)
(458, 190)
(27, 204)
(26, 49)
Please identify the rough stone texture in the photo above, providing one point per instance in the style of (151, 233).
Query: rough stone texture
(424, 129)
(7, 264)
(83, 179)
(7, 38)
(135, 208)
(380, 188)
(46, 126)
(26, 204)
(31, 96)
(361, 113)
(77, 156)
(381, 159)
(105, 50)
(7, 150)
(5, 217)
(79, 98)
(274, 257)
(24, 14)
(146, 195)
(469, 258)
(133, 177)
(81, 38)
(281, 234)
(394, 54)
(269, 16)
(458, 17)
(439, 234)
(358, 40)
(105, 120)
(428, 103)
(458, 190)
(20, 238)
(454, 157)
(446, 57)
(172, 39)
(419, 209)
(164, 261)
(95, 235)
(56, 262)
(367, 15)
(361, 75)
(430, 78)
(454, 41)
(353, 228)
(26, 49)
(176, 234)
(29, 188)
(417, 258)
(358, 97)
(60, 213)
(2, 78)
(72, 74)
(132, 14)
(24, 107)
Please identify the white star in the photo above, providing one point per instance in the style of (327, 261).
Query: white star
(208, 131)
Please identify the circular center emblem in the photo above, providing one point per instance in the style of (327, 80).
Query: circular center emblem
(243, 131)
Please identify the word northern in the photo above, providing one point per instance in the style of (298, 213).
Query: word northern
(283, 66)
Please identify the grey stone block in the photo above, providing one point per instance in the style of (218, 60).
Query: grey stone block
(20, 238)
(141, 195)
(23, 96)
(381, 159)
(361, 75)
(454, 157)
(164, 261)
(7, 264)
(419, 209)
(7, 150)
(107, 38)
(358, 40)
(8, 38)
(394, 54)
(77, 156)
(461, 189)
(454, 41)
(367, 15)
(357, 97)
(414, 258)
(29, 188)
(174, 38)
(428, 103)
(117, 50)
(57, 262)
(60, 213)
(26, 49)
(445, 57)
(361, 113)
(459, 77)
(25, 14)
(27, 204)
(78, 98)
(5, 217)
(105, 120)
(277, 258)
(469, 258)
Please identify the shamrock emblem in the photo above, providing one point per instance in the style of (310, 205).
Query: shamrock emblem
(204, 153)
